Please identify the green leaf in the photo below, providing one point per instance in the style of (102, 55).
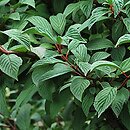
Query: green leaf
(58, 6)
(118, 53)
(127, 23)
(118, 29)
(73, 33)
(128, 10)
(59, 101)
(104, 63)
(81, 53)
(85, 67)
(46, 89)
(42, 26)
(106, 70)
(39, 51)
(70, 8)
(117, 5)
(28, 2)
(99, 56)
(87, 103)
(117, 104)
(104, 99)
(58, 23)
(14, 16)
(4, 2)
(96, 16)
(125, 65)
(78, 87)
(19, 48)
(3, 104)
(23, 117)
(123, 39)
(98, 44)
(125, 118)
(9, 64)
(18, 36)
(40, 22)
(86, 7)
(58, 69)
(25, 95)
(39, 71)
(73, 44)
(47, 60)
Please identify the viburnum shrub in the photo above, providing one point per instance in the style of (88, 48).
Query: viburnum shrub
(64, 65)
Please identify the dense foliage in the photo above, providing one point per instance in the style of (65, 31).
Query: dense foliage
(64, 65)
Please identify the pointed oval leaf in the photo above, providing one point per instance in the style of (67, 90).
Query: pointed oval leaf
(85, 67)
(58, 23)
(99, 56)
(123, 39)
(104, 99)
(86, 7)
(78, 87)
(81, 53)
(103, 63)
(98, 44)
(23, 118)
(59, 69)
(87, 103)
(117, 5)
(121, 97)
(95, 17)
(28, 2)
(19, 37)
(9, 64)
(70, 8)
(40, 22)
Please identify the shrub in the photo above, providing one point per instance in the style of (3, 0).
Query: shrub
(64, 65)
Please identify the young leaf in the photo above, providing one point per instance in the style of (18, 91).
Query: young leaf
(9, 64)
(78, 87)
(104, 99)
(58, 23)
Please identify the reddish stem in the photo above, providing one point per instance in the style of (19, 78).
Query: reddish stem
(111, 8)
